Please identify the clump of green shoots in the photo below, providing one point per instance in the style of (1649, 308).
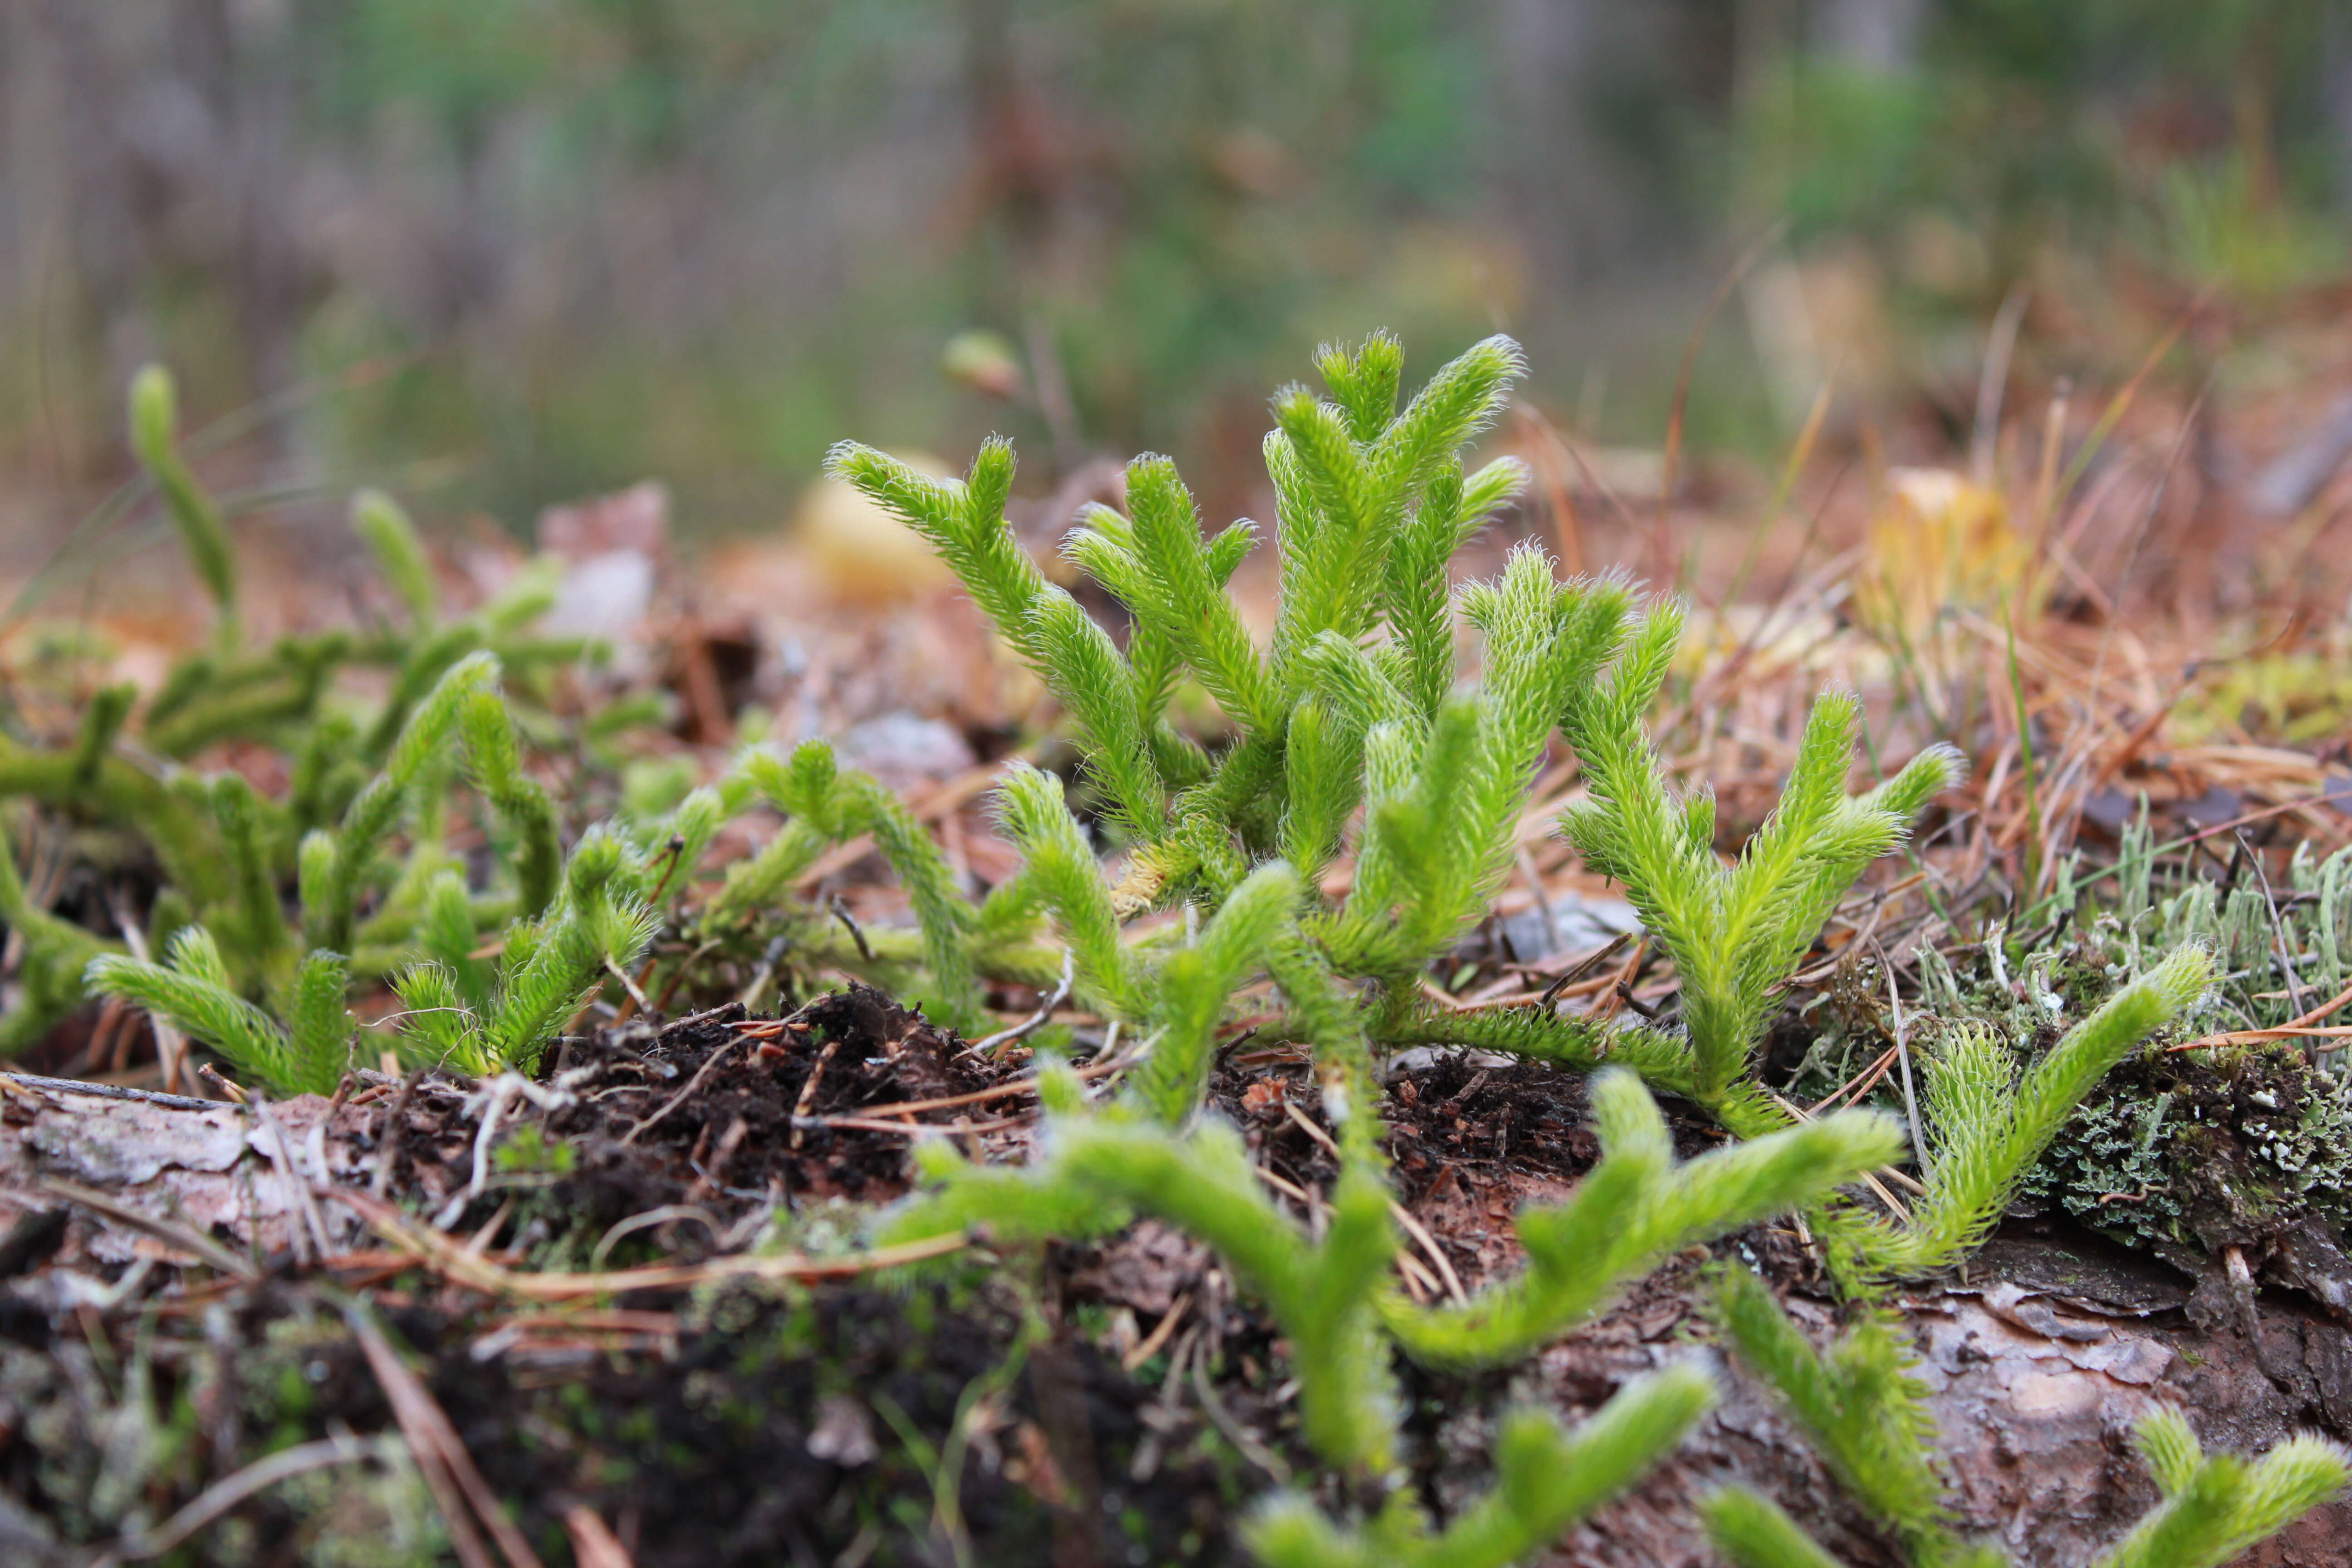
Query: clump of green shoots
(556, 947)
(358, 780)
(1358, 763)
(1354, 741)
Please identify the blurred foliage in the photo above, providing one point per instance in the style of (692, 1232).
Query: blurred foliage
(575, 242)
(2208, 137)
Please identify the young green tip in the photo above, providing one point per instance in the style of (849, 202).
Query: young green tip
(155, 414)
(2182, 978)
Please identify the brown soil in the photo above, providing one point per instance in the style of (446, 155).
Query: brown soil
(1114, 1402)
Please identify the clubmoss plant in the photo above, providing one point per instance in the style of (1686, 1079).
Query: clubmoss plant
(1863, 1410)
(1548, 1479)
(1331, 1296)
(360, 783)
(193, 988)
(1358, 761)
(1635, 1209)
(1860, 1408)
(554, 952)
(1989, 1127)
(1353, 739)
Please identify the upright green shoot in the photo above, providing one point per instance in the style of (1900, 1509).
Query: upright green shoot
(155, 438)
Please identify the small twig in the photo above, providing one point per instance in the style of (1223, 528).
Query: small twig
(450, 1470)
(1626, 994)
(2323, 1010)
(2258, 1036)
(1621, 989)
(1404, 1217)
(667, 864)
(1903, 1061)
(636, 993)
(1420, 1233)
(686, 966)
(1031, 1024)
(1584, 966)
(636, 1222)
(2292, 1028)
(109, 1091)
(211, 1075)
(229, 1491)
(977, 1096)
(1290, 1108)
(708, 1014)
(478, 1244)
(310, 1225)
(856, 933)
(436, 1251)
(903, 1128)
(681, 1096)
(807, 1097)
(1857, 1086)
(2278, 926)
(714, 1175)
(1160, 1332)
(1869, 1179)
(594, 1544)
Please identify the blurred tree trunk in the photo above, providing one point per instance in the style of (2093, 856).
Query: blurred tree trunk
(1549, 48)
(2336, 94)
(1883, 35)
(233, 61)
(102, 231)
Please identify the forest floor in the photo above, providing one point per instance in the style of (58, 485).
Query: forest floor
(622, 1311)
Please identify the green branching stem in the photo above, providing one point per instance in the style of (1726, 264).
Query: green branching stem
(1635, 1206)
(1988, 1131)
(2216, 1506)
(193, 990)
(154, 436)
(1549, 1480)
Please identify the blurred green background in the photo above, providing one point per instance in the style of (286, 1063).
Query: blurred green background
(499, 253)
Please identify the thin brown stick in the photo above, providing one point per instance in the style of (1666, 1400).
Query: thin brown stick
(807, 1096)
(2323, 1010)
(452, 1260)
(1152, 1342)
(594, 1544)
(426, 1427)
(1903, 1058)
(952, 1101)
(681, 1096)
(1420, 1233)
(255, 1479)
(1857, 1086)
(1035, 1021)
(910, 1129)
(109, 1091)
